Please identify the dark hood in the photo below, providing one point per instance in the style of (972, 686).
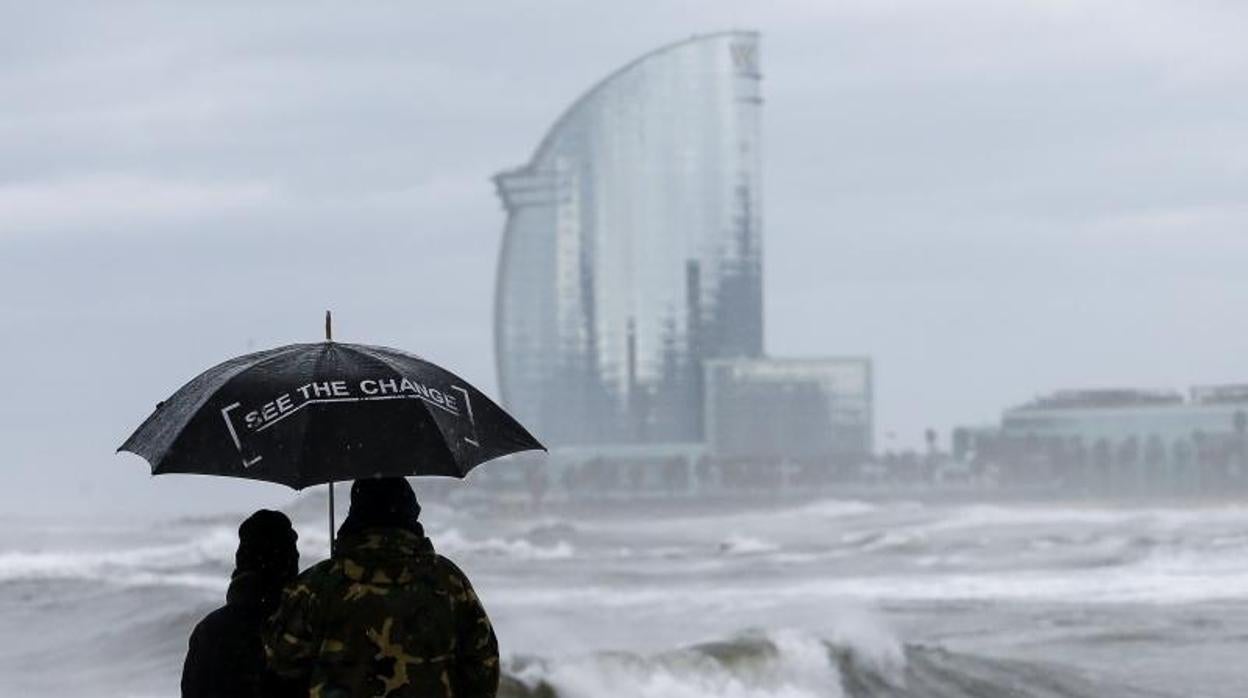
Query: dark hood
(387, 502)
(267, 546)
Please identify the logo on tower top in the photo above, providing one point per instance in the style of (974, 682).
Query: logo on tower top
(745, 57)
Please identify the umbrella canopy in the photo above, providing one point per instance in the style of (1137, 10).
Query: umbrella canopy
(307, 414)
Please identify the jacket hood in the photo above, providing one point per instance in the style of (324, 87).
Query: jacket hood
(385, 556)
(255, 591)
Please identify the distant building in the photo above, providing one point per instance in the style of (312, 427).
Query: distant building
(633, 249)
(805, 409)
(1121, 439)
(1160, 422)
(629, 308)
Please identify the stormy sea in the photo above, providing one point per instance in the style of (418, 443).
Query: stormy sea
(823, 598)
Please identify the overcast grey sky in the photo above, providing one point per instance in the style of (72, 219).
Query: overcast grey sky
(992, 198)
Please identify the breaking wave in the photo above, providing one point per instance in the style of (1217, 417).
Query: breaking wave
(789, 664)
(206, 559)
(452, 542)
(834, 508)
(200, 562)
(747, 545)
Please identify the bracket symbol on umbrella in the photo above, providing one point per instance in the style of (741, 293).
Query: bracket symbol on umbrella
(249, 460)
(229, 424)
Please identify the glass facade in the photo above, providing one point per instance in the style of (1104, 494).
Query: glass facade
(803, 409)
(1145, 427)
(632, 250)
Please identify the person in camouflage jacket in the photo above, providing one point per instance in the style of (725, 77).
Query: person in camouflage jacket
(385, 616)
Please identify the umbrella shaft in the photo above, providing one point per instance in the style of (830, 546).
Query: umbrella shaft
(331, 518)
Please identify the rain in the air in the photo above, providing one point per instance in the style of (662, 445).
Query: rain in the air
(848, 349)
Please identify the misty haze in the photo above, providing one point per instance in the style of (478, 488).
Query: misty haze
(863, 349)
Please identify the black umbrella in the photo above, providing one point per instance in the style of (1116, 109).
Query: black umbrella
(308, 414)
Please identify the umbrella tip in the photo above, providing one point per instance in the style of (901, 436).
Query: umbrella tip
(329, 327)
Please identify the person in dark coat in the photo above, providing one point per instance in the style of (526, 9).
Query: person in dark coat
(225, 658)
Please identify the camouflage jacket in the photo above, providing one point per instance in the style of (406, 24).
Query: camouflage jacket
(385, 617)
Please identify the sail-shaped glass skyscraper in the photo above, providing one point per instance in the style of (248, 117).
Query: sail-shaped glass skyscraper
(632, 251)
